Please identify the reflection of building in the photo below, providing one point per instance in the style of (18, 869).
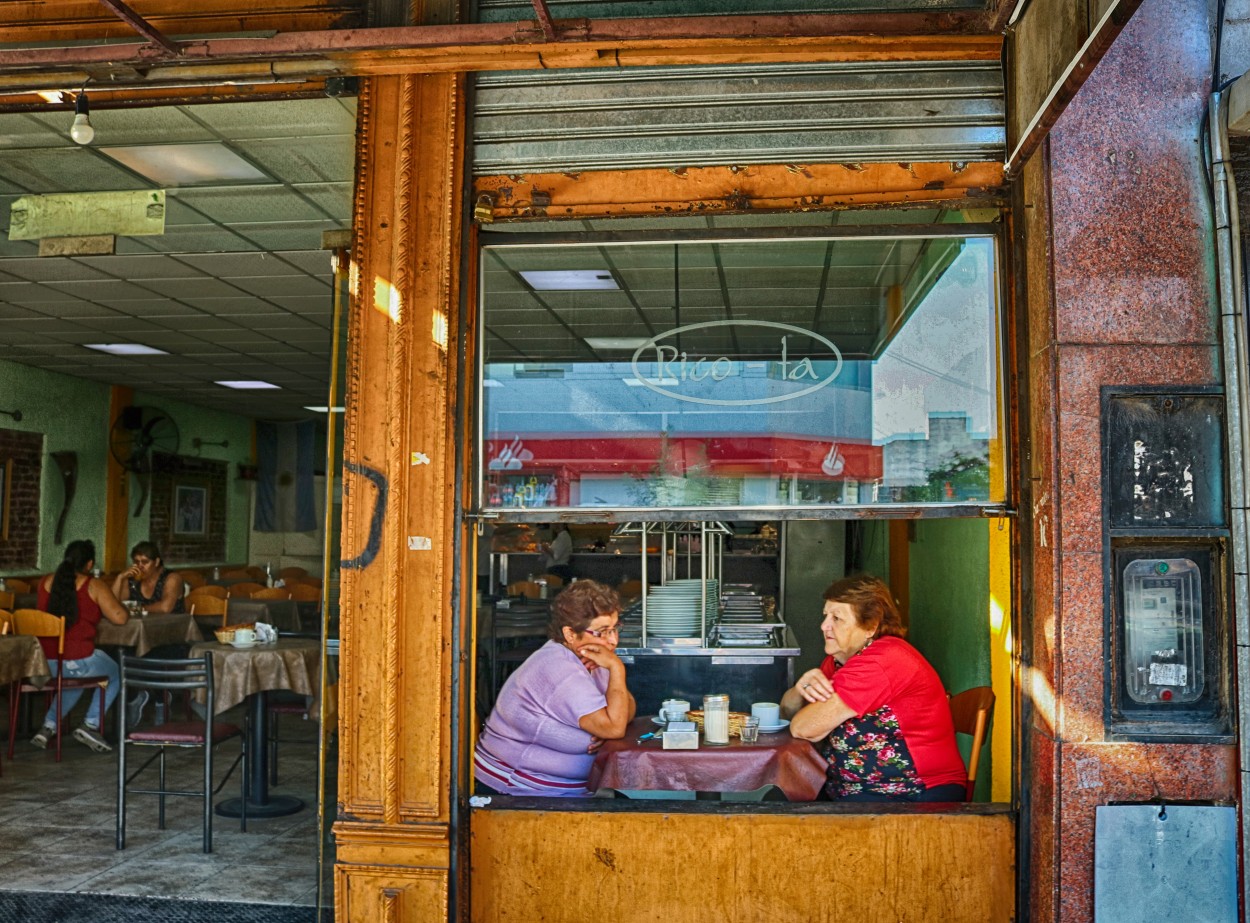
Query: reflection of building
(948, 454)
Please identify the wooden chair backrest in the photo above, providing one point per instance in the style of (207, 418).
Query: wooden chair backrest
(207, 605)
(6, 622)
(7, 599)
(18, 586)
(218, 591)
(255, 571)
(970, 713)
(288, 572)
(527, 588)
(272, 592)
(304, 593)
(553, 581)
(246, 588)
(240, 573)
(630, 589)
(192, 578)
(41, 625)
(302, 581)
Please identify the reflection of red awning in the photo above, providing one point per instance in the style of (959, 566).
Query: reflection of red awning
(836, 460)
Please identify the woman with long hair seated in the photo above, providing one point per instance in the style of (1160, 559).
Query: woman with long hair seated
(561, 704)
(81, 600)
(875, 708)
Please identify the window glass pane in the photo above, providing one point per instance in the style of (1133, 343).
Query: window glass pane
(760, 373)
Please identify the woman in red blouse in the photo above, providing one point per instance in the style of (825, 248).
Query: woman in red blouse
(875, 708)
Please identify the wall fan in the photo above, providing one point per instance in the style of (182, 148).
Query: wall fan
(136, 434)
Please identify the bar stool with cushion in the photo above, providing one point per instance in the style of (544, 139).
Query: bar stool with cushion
(165, 676)
(46, 625)
(970, 712)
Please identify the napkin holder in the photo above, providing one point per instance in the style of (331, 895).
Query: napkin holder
(681, 735)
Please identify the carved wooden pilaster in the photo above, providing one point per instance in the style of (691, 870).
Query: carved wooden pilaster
(395, 759)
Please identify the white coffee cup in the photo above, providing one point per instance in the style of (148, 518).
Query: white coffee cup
(674, 710)
(769, 713)
(244, 636)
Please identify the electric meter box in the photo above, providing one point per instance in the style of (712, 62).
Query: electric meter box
(1166, 537)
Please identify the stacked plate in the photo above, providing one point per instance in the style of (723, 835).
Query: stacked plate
(675, 610)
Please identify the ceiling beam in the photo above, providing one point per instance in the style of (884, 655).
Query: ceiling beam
(299, 56)
(140, 25)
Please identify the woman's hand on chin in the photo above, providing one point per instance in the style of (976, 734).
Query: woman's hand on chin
(597, 655)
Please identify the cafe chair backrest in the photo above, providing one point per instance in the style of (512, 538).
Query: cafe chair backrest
(209, 606)
(630, 589)
(272, 592)
(288, 572)
(246, 588)
(17, 586)
(970, 713)
(7, 600)
(6, 622)
(41, 625)
(527, 588)
(218, 591)
(256, 572)
(304, 593)
(192, 578)
(552, 580)
(239, 573)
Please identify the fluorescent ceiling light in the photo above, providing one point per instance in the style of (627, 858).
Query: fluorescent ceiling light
(126, 349)
(324, 409)
(245, 385)
(491, 383)
(616, 342)
(186, 164)
(635, 383)
(570, 280)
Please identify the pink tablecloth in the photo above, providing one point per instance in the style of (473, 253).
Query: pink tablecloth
(778, 759)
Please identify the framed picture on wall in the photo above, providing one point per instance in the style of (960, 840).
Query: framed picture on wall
(6, 488)
(190, 510)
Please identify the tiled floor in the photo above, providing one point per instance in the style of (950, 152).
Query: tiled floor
(58, 827)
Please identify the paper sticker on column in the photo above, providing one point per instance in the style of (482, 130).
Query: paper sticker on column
(1168, 674)
(419, 543)
(420, 458)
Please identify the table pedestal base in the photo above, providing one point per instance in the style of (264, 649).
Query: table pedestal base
(275, 806)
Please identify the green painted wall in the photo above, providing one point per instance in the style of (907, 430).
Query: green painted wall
(950, 604)
(210, 426)
(73, 415)
(815, 557)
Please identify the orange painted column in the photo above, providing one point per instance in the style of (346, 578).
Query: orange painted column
(393, 830)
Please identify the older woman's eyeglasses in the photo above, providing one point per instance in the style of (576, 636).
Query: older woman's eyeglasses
(614, 631)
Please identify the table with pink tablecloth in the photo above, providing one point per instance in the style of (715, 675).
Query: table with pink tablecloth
(778, 759)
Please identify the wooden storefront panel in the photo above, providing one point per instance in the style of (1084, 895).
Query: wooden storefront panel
(569, 867)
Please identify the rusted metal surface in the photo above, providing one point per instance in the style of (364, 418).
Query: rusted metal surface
(142, 26)
(293, 56)
(711, 190)
(544, 20)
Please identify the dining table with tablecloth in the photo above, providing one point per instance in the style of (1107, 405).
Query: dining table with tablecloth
(142, 633)
(632, 764)
(22, 657)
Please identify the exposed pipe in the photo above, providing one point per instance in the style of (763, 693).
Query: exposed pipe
(142, 26)
(1233, 353)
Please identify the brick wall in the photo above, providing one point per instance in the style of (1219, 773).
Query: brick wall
(21, 548)
(173, 471)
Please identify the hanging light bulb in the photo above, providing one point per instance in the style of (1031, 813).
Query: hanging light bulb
(81, 131)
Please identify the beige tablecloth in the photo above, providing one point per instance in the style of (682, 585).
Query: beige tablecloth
(291, 663)
(146, 632)
(20, 657)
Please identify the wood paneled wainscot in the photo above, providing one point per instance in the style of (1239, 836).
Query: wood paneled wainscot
(699, 863)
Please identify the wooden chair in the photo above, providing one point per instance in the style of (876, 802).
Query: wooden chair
(18, 586)
(6, 622)
(246, 588)
(192, 578)
(527, 588)
(162, 677)
(314, 582)
(45, 625)
(970, 712)
(7, 600)
(256, 572)
(288, 572)
(272, 592)
(238, 573)
(218, 591)
(208, 611)
(553, 581)
(630, 589)
(303, 593)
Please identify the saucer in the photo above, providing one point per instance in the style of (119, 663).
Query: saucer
(244, 645)
(774, 728)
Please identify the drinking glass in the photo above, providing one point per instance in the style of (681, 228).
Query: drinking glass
(750, 730)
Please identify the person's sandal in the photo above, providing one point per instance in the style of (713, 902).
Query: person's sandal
(92, 738)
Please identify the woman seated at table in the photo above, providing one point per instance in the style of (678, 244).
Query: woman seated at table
(875, 708)
(561, 704)
(71, 592)
(148, 582)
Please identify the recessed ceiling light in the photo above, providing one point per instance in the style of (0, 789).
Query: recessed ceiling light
(616, 342)
(491, 383)
(324, 409)
(245, 385)
(570, 280)
(126, 349)
(186, 164)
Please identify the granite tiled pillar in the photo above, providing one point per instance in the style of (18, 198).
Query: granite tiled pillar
(1117, 218)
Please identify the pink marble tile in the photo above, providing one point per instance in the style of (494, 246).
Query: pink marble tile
(1131, 226)
(1083, 370)
(1081, 631)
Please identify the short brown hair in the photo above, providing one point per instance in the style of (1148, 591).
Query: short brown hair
(579, 604)
(871, 601)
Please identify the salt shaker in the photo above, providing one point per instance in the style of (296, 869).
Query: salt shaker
(716, 719)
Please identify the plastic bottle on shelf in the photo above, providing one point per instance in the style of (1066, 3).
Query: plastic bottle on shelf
(268, 574)
(216, 573)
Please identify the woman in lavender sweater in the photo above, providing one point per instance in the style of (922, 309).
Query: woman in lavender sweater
(564, 701)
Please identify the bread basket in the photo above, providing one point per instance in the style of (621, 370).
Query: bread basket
(735, 721)
(226, 635)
